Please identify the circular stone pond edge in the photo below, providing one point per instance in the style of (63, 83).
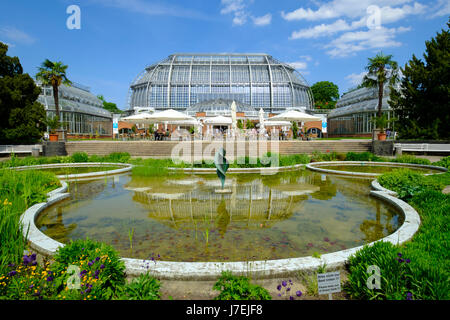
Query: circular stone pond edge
(266, 269)
(315, 166)
(126, 167)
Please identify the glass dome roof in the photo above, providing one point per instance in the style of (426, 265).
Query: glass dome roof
(183, 80)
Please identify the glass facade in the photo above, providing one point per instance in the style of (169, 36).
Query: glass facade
(183, 80)
(81, 110)
(355, 110)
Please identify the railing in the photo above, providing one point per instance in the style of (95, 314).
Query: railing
(8, 149)
(421, 147)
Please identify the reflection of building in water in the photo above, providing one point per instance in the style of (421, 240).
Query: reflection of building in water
(250, 205)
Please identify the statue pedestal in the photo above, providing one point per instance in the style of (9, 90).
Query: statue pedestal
(223, 191)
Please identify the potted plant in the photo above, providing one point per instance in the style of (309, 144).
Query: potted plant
(53, 124)
(381, 123)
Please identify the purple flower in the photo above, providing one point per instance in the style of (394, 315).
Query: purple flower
(288, 289)
(90, 263)
(102, 266)
(407, 261)
(291, 298)
(399, 254)
(279, 294)
(298, 293)
(11, 265)
(12, 273)
(279, 287)
(284, 283)
(96, 259)
(49, 279)
(409, 296)
(31, 286)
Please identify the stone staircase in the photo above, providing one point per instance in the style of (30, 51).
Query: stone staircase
(163, 149)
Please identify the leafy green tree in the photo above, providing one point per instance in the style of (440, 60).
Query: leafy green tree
(53, 74)
(22, 118)
(325, 94)
(422, 103)
(110, 106)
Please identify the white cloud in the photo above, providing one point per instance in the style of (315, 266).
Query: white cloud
(352, 42)
(339, 8)
(356, 78)
(241, 14)
(298, 65)
(326, 29)
(231, 6)
(263, 20)
(442, 8)
(307, 58)
(359, 24)
(16, 35)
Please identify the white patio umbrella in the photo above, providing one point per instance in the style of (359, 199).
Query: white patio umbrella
(193, 122)
(141, 117)
(294, 115)
(269, 123)
(169, 115)
(261, 120)
(233, 117)
(219, 120)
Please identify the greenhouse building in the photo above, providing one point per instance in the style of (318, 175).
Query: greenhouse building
(255, 81)
(81, 110)
(355, 110)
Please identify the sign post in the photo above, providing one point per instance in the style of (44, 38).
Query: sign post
(115, 127)
(329, 283)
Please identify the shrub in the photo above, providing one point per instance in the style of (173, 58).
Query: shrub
(145, 287)
(122, 157)
(80, 157)
(18, 191)
(395, 277)
(411, 159)
(239, 288)
(102, 271)
(328, 156)
(444, 162)
(420, 270)
(19, 281)
(363, 156)
(294, 159)
(408, 183)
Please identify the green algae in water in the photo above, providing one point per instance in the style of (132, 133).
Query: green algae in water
(181, 218)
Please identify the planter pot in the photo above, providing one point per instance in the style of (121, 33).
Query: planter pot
(53, 137)
(381, 136)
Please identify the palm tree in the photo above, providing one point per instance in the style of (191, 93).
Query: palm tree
(53, 74)
(381, 69)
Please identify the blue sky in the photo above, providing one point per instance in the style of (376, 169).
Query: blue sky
(324, 40)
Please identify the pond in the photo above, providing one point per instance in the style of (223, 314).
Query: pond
(368, 168)
(180, 217)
